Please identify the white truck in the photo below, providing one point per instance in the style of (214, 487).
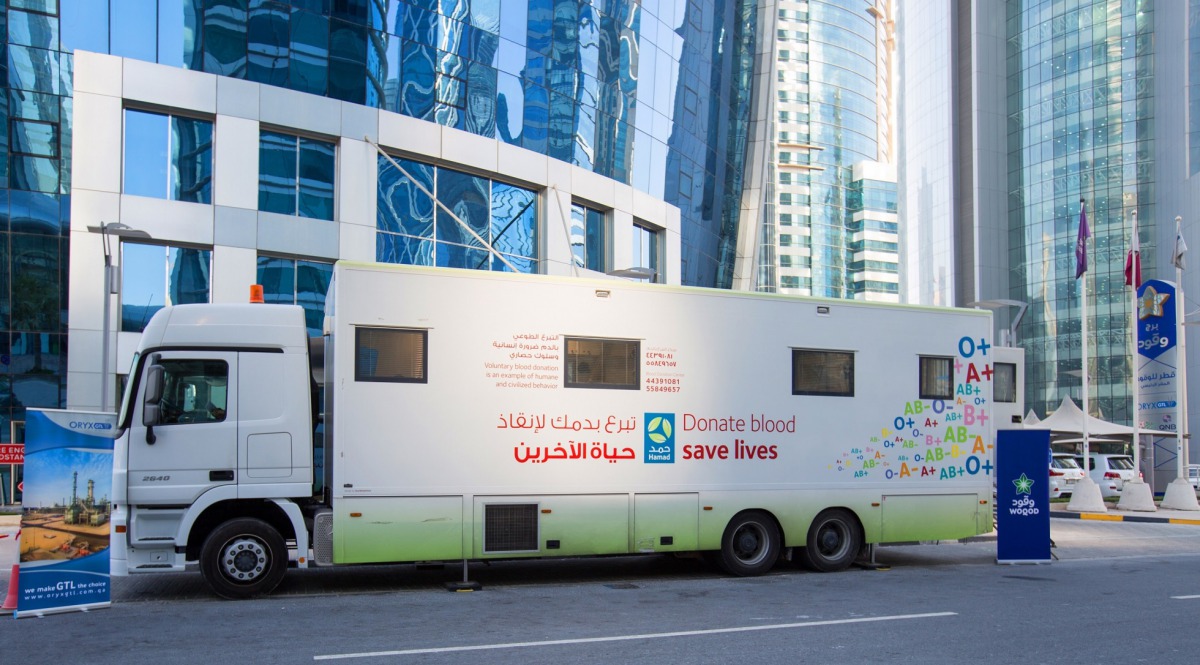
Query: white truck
(451, 416)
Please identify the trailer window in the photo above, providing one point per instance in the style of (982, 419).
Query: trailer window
(822, 373)
(393, 355)
(1004, 383)
(937, 377)
(602, 363)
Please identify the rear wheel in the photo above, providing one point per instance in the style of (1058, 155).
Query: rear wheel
(243, 558)
(834, 540)
(750, 545)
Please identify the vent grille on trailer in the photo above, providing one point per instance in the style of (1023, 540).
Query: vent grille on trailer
(510, 527)
(323, 538)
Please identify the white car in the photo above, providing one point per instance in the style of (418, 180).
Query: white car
(1194, 476)
(1110, 472)
(1064, 473)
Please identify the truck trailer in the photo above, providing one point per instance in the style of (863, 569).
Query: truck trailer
(456, 416)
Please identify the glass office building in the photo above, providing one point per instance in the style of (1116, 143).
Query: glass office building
(650, 95)
(1081, 109)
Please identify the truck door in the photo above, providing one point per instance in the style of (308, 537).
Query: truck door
(195, 442)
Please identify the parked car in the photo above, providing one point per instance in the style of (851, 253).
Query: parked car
(1194, 476)
(1110, 472)
(1064, 473)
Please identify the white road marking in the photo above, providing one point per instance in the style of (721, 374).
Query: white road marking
(624, 638)
(1184, 597)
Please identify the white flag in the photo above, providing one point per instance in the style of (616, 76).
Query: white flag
(1180, 246)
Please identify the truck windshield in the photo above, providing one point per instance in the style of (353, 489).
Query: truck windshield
(126, 397)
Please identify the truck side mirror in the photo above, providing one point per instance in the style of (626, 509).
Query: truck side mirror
(151, 409)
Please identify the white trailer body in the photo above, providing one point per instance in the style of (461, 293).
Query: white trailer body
(476, 415)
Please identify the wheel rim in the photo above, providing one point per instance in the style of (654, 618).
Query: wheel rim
(245, 559)
(833, 538)
(751, 543)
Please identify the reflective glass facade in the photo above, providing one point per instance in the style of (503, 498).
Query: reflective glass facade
(927, 148)
(295, 175)
(436, 216)
(154, 276)
(589, 238)
(295, 282)
(653, 94)
(167, 156)
(1081, 113)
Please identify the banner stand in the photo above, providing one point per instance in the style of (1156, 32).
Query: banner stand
(64, 559)
(1023, 496)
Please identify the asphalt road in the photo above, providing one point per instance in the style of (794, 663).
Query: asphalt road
(1125, 592)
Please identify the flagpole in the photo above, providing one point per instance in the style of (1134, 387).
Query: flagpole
(1180, 494)
(1134, 279)
(1083, 316)
(1135, 494)
(1086, 497)
(1181, 372)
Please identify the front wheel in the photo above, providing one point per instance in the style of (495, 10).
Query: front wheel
(243, 558)
(833, 542)
(750, 545)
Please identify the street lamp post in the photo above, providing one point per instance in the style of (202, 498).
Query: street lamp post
(1011, 338)
(107, 229)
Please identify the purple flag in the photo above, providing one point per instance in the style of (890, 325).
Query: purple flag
(1081, 243)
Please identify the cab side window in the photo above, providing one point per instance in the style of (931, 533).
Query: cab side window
(194, 391)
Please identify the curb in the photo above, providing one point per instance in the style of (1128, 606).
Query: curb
(1101, 517)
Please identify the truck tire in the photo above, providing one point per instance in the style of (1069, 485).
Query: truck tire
(243, 558)
(834, 540)
(750, 545)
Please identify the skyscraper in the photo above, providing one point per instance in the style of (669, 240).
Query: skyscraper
(825, 230)
(1013, 113)
(1081, 99)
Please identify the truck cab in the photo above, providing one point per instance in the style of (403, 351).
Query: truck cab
(216, 450)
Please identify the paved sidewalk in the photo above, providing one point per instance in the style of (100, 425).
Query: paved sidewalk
(1159, 516)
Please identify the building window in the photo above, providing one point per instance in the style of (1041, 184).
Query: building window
(295, 282)
(154, 276)
(168, 157)
(822, 373)
(647, 250)
(937, 377)
(295, 175)
(602, 363)
(392, 355)
(31, 137)
(1004, 383)
(414, 228)
(788, 281)
(589, 238)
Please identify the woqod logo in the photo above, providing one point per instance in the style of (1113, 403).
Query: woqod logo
(1024, 484)
(1024, 505)
(659, 440)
